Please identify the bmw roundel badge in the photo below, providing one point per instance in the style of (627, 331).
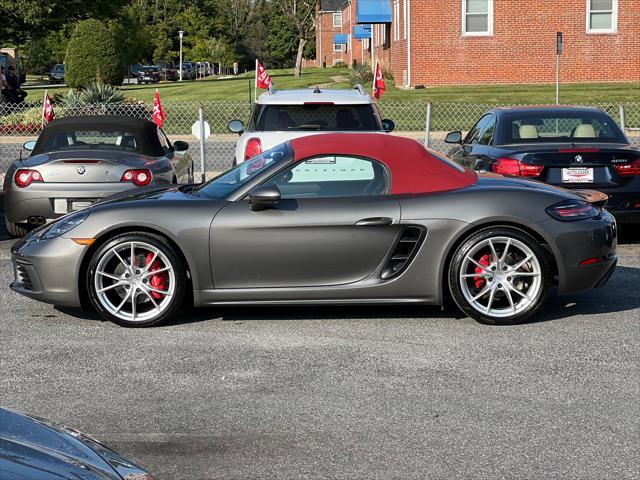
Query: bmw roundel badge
(81, 170)
(578, 158)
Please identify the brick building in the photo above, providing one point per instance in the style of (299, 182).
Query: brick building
(441, 42)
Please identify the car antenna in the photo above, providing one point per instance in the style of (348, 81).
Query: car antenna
(317, 89)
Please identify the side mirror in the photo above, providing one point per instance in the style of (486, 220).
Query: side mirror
(30, 145)
(454, 137)
(180, 146)
(236, 126)
(261, 198)
(388, 125)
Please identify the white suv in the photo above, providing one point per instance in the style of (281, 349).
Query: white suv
(279, 116)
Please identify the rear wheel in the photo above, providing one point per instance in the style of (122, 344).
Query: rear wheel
(499, 276)
(15, 230)
(136, 280)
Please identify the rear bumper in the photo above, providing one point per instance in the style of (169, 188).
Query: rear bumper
(575, 242)
(39, 200)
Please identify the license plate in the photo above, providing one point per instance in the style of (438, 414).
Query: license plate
(577, 175)
(63, 205)
(80, 205)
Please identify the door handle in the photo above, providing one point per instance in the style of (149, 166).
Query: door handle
(374, 221)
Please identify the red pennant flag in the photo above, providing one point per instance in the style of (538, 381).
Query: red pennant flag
(378, 82)
(262, 77)
(47, 109)
(158, 111)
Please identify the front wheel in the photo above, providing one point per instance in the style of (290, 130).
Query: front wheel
(500, 276)
(136, 280)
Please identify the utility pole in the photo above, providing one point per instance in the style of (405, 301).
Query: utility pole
(180, 34)
(558, 53)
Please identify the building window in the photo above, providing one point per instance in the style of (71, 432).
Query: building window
(386, 35)
(337, 47)
(602, 16)
(406, 17)
(337, 19)
(477, 17)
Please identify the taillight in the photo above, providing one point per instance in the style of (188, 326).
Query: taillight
(25, 177)
(253, 148)
(139, 177)
(629, 169)
(511, 166)
(570, 210)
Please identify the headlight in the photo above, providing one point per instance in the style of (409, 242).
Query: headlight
(65, 224)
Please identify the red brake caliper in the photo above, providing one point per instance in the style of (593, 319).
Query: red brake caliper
(157, 281)
(484, 261)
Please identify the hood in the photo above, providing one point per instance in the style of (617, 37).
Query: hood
(150, 193)
(33, 448)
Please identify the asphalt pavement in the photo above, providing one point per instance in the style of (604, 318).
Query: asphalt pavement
(349, 393)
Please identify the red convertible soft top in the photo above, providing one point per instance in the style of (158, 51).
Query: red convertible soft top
(413, 168)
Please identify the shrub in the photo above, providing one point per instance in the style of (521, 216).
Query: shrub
(94, 94)
(92, 56)
(363, 75)
(26, 120)
(340, 65)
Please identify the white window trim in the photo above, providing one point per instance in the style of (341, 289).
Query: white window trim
(339, 47)
(337, 15)
(614, 18)
(396, 20)
(405, 6)
(489, 14)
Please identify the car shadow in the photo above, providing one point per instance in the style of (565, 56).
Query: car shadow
(612, 298)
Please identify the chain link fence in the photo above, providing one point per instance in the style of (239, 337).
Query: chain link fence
(427, 123)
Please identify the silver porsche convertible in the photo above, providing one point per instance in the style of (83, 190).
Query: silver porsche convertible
(344, 218)
(79, 160)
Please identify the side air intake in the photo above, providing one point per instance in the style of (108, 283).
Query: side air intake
(403, 253)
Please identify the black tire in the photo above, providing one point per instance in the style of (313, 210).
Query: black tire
(458, 263)
(15, 230)
(173, 258)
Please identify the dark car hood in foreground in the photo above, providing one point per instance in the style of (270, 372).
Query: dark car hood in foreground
(31, 448)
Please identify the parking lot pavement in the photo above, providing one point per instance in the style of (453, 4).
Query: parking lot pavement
(342, 392)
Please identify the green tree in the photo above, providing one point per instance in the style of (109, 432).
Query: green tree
(302, 14)
(92, 56)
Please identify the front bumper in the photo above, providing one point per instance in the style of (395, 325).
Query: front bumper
(48, 270)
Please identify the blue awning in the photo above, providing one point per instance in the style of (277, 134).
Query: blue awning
(340, 38)
(360, 32)
(373, 11)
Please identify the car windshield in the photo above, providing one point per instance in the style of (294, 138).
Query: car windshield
(315, 117)
(92, 139)
(523, 127)
(225, 184)
(149, 69)
(58, 68)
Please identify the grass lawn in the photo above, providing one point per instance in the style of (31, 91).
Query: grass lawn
(238, 89)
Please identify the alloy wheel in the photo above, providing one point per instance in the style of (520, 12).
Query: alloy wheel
(500, 277)
(134, 281)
